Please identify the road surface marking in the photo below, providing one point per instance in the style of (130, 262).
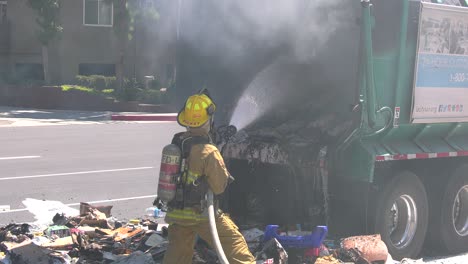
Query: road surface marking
(91, 202)
(4, 208)
(20, 157)
(73, 173)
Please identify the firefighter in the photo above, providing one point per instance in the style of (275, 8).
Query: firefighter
(205, 169)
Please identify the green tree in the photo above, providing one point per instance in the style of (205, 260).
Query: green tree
(48, 12)
(129, 13)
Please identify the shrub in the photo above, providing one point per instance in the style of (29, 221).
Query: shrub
(155, 84)
(129, 91)
(152, 97)
(98, 82)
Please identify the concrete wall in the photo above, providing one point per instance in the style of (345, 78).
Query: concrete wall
(83, 44)
(4, 49)
(91, 44)
(24, 47)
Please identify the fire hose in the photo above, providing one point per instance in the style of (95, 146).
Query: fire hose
(213, 230)
(224, 133)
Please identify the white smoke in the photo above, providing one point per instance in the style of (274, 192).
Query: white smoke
(305, 25)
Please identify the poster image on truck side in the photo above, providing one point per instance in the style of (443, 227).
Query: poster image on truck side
(441, 76)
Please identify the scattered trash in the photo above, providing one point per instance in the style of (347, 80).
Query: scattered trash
(308, 241)
(350, 255)
(90, 235)
(273, 249)
(327, 260)
(40, 240)
(254, 238)
(136, 257)
(86, 208)
(203, 253)
(94, 236)
(44, 211)
(252, 235)
(154, 211)
(57, 231)
(411, 261)
(28, 252)
(370, 248)
(155, 240)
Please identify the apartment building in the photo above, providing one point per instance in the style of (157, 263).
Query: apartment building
(88, 44)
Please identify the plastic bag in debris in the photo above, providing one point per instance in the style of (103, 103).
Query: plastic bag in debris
(44, 211)
(253, 237)
(273, 249)
(155, 240)
(40, 240)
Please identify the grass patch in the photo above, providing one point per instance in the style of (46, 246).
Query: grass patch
(66, 88)
(108, 91)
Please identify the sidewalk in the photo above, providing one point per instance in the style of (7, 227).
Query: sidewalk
(8, 115)
(143, 117)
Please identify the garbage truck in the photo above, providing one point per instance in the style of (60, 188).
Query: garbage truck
(351, 114)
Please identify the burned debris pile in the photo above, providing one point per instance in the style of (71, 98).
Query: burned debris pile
(278, 163)
(96, 237)
(92, 237)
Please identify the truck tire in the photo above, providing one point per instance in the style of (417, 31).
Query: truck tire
(402, 215)
(449, 213)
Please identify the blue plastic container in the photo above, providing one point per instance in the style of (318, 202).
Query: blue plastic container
(313, 240)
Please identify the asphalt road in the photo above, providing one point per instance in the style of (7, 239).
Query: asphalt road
(108, 164)
(74, 157)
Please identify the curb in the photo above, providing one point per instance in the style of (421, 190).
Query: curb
(160, 117)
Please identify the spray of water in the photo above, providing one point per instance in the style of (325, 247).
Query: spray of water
(305, 27)
(247, 111)
(259, 98)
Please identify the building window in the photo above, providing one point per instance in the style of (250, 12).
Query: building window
(96, 69)
(146, 4)
(29, 71)
(98, 13)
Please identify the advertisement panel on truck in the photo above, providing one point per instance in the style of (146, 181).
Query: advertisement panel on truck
(441, 75)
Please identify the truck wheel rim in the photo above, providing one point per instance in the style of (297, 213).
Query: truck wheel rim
(403, 224)
(460, 211)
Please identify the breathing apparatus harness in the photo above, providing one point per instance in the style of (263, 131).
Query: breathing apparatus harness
(189, 194)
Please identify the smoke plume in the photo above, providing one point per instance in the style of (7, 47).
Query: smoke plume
(224, 45)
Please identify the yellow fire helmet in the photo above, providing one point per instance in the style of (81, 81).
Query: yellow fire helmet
(197, 110)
